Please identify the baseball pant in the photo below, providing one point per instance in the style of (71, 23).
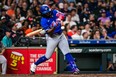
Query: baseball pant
(52, 43)
(3, 61)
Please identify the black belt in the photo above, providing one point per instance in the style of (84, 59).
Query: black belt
(55, 34)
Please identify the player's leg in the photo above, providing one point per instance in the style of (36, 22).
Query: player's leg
(51, 45)
(63, 45)
(3, 61)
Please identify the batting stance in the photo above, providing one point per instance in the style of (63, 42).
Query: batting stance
(50, 22)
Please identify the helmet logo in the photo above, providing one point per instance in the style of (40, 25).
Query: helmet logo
(46, 8)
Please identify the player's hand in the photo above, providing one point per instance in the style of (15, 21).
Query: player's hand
(60, 16)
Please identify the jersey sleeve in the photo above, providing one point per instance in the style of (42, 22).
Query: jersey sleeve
(59, 14)
(55, 12)
(44, 24)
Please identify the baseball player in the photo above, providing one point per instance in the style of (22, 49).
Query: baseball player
(3, 60)
(50, 22)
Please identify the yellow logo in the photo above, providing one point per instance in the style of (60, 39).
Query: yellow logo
(16, 58)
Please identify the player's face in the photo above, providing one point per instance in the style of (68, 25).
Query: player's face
(48, 15)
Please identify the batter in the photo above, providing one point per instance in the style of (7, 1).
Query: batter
(50, 22)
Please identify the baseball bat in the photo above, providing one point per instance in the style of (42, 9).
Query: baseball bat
(34, 33)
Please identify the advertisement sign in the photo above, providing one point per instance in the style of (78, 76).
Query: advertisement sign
(20, 59)
(93, 50)
(17, 61)
(48, 67)
(92, 41)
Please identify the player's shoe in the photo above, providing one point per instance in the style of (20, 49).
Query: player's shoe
(32, 69)
(76, 71)
(32, 73)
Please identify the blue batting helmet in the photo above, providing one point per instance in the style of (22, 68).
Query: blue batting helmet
(45, 9)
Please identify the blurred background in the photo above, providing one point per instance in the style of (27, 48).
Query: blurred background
(90, 28)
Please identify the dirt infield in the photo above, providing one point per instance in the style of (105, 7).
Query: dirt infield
(61, 75)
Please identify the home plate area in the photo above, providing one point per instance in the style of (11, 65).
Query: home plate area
(59, 75)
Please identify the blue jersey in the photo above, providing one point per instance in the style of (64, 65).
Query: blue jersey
(48, 23)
